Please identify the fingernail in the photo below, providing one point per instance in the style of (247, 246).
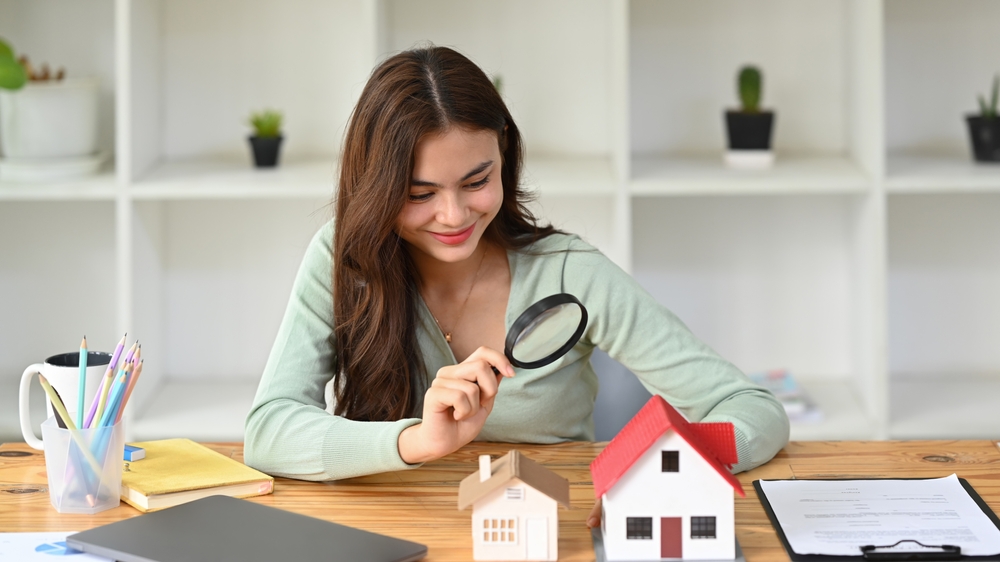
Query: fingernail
(510, 371)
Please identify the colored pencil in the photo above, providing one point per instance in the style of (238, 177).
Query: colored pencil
(115, 397)
(82, 387)
(102, 405)
(107, 375)
(128, 390)
(58, 406)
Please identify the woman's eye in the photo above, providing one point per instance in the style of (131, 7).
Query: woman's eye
(420, 196)
(480, 183)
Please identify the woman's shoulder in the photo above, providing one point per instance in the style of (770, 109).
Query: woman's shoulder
(558, 243)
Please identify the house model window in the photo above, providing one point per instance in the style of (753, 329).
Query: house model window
(702, 527)
(515, 493)
(671, 461)
(501, 531)
(639, 528)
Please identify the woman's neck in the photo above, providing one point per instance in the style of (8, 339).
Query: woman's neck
(447, 279)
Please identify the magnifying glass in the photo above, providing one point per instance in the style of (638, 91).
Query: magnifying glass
(546, 331)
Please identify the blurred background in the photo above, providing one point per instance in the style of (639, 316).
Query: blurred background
(858, 274)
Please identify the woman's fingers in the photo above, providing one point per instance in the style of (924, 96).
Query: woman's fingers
(462, 395)
(594, 519)
(496, 359)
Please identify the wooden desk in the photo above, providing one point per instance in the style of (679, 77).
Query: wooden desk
(420, 505)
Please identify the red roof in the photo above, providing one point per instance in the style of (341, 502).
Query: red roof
(715, 442)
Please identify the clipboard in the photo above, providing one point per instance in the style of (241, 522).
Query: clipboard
(887, 555)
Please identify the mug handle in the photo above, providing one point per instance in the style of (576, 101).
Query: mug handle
(23, 404)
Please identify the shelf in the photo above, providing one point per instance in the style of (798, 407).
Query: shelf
(708, 175)
(953, 406)
(571, 175)
(199, 409)
(100, 187)
(913, 173)
(844, 417)
(222, 178)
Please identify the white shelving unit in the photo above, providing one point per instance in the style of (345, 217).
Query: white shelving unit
(865, 261)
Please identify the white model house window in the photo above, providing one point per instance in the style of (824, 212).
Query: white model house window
(500, 531)
(640, 528)
(670, 461)
(515, 493)
(702, 527)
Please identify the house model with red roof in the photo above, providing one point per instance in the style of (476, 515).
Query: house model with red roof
(666, 488)
(514, 508)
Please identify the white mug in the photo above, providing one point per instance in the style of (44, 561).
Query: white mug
(63, 373)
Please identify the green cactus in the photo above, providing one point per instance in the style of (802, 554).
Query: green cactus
(266, 123)
(990, 111)
(12, 74)
(750, 82)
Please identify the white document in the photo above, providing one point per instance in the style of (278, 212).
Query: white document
(838, 517)
(41, 547)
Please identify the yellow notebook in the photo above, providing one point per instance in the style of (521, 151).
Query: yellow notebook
(177, 471)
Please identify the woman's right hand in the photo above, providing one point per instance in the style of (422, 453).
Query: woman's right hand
(455, 406)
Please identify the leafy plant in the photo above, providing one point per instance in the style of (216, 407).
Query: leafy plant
(266, 123)
(498, 83)
(749, 84)
(990, 111)
(12, 73)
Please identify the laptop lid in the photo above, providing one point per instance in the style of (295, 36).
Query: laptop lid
(223, 529)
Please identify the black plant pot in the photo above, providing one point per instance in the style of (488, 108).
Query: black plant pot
(985, 136)
(749, 131)
(265, 150)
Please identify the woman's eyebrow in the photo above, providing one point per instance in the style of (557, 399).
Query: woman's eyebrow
(478, 169)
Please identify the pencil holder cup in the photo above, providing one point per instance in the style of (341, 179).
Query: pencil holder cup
(84, 466)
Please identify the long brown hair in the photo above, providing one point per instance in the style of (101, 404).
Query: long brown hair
(410, 95)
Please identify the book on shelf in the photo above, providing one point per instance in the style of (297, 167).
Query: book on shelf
(797, 403)
(177, 471)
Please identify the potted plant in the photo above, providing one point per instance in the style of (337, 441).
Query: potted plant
(749, 128)
(984, 129)
(48, 123)
(43, 114)
(266, 140)
(12, 74)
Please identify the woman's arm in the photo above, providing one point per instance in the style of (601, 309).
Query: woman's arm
(288, 431)
(628, 324)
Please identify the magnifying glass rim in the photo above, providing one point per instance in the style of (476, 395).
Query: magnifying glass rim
(529, 316)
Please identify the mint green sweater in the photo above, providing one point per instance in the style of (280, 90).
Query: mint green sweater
(290, 432)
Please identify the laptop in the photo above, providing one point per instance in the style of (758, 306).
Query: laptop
(223, 529)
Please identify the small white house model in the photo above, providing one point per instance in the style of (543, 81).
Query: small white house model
(514, 508)
(667, 489)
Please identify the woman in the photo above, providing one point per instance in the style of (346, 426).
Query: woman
(405, 305)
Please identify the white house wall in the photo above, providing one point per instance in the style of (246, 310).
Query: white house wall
(646, 491)
(495, 505)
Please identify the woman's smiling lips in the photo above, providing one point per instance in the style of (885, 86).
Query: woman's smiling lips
(455, 238)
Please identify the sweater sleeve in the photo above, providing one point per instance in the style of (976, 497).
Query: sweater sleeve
(288, 430)
(630, 326)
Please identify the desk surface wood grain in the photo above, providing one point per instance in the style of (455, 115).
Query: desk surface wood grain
(421, 505)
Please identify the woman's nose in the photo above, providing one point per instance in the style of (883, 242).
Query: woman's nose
(451, 210)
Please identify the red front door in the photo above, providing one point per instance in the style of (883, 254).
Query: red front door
(670, 537)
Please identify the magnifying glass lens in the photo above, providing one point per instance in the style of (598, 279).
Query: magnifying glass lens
(548, 332)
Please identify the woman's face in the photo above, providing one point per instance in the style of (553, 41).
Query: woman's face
(454, 194)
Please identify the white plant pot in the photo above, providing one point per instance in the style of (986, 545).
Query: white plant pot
(49, 120)
(749, 159)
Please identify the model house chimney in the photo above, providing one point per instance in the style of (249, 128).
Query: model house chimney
(484, 468)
